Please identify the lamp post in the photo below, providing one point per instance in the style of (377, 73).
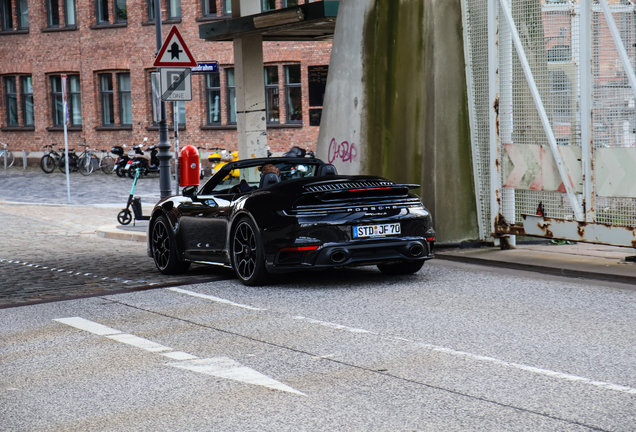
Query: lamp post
(164, 155)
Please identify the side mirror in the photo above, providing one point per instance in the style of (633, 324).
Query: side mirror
(189, 192)
(145, 139)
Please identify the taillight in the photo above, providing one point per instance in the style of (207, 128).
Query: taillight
(431, 239)
(300, 249)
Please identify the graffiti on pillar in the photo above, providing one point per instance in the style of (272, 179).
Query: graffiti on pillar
(343, 151)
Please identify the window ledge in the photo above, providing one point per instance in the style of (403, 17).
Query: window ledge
(219, 127)
(108, 26)
(58, 29)
(284, 125)
(17, 129)
(113, 128)
(61, 128)
(170, 128)
(210, 18)
(171, 21)
(13, 32)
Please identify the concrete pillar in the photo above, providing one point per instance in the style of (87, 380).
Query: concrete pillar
(250, 87)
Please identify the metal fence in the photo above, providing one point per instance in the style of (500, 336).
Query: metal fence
(550, 136)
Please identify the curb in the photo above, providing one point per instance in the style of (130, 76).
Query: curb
(553, 271)
(121, 233)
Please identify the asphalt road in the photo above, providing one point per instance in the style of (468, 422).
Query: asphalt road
(452, 348)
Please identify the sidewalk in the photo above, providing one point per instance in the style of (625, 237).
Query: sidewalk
(581, 260)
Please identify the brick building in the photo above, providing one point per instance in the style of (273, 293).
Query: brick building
(107, 48)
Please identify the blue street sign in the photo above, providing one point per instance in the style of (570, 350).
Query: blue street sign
(206, 67)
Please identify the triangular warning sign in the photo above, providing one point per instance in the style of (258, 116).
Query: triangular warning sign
(174, 52)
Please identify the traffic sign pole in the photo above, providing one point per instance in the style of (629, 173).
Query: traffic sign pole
(163, 155)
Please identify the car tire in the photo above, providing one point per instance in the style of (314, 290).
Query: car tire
(403, 268)
(164, 248)
(248, 260)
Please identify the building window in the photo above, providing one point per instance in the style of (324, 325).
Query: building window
(290, 3)
(150, 6)
(69, 13)
(119, 86)
(174, 9)
(268, 5)
(121, 11)
(231, 97)
(213, 98)
(209, 8)
(125, 101)
(11, 100)
(227, 7)
(180, 106)
(73, 97)
(27, 100)
(75, 100)
(271, 95)
(101, 11)
(293, 94)
(52, 13)
(561, 89)
(6, 15)
(23, 14)
(107, 99)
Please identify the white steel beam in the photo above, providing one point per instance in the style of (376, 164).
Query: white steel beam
(493, 98)
(619, 45)
(587, 82)
(578, 213)
(483, 233)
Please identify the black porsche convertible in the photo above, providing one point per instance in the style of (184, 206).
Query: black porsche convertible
(276, 215)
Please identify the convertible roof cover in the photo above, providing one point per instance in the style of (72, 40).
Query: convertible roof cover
(306, 22)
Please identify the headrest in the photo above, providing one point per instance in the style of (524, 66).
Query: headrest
(326, 170)
(268, 179)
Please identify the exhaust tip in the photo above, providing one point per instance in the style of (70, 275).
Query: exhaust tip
(416, 250)
(338, 256)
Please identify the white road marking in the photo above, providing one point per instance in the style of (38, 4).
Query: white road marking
(227, 368)
(215, 299)
(221, 367)
(179, 355)
(334, 325)
(139, 342)
(89, 326)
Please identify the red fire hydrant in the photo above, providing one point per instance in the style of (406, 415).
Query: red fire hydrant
(189, 163)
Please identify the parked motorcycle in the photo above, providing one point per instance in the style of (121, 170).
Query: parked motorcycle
(142, 163)
(122, 160)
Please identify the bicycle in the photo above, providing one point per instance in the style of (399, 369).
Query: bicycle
(72, 161)
(6, 157)
(86, 161)
(50, 160)
(106, 162)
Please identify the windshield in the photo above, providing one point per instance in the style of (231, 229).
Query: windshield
(252, 176)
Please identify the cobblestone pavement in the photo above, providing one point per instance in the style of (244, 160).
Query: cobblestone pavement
(50, 251)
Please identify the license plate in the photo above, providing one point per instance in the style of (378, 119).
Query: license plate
(376, 230)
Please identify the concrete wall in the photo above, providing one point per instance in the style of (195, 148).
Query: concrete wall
(396, 104)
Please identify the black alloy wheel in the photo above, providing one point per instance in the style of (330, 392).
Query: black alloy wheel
(247, 254)
(403, 268)
(164, 250)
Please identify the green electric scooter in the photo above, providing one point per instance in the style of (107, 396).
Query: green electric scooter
(125, 216)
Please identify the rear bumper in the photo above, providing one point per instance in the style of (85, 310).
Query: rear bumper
(352, 254)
